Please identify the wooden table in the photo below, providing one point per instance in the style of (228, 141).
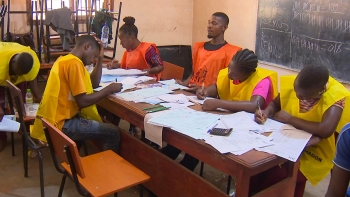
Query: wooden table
(170, 179)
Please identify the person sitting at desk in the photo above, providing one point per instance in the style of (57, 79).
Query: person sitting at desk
(69, 100)
(208, 58)
(254, 85)
(314, 102)
(341, 170)
(19, 64)
(242, 86)
(138, 55)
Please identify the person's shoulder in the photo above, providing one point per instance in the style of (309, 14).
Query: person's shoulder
(233, 47)
(199, 44)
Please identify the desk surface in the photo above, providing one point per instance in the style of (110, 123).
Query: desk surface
(242, 167)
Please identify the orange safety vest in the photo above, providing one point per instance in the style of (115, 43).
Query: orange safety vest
(206, 65)
(136, 59)
(316, 161)
(243, 91)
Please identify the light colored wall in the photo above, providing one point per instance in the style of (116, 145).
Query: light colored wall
(164, 22)
(242, 27)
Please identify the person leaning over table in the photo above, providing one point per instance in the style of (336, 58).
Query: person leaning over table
(314, 102)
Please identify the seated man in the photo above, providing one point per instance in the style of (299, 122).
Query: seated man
(314, 102)
(69, 100)
(138, 55)
(241, 86)
(18, 64)
(208, 58)
(341, 170)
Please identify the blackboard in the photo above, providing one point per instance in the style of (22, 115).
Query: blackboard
(295, 33)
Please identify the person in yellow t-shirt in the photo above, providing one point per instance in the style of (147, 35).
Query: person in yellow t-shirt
(69, 100)
(18, 64)
(314, 102)
(242, 86)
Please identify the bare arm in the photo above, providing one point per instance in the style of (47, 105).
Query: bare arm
(34, 87)
(155, 70)
(325, 128)
(339, 182)
(1, 114)
(269, 111)
(185, 83)
(95, 75)
(86, 100)
(210, 91)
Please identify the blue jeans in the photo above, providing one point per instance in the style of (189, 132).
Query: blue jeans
(79, 129)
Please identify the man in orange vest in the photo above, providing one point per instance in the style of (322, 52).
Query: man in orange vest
(208, 58)
(314, 102)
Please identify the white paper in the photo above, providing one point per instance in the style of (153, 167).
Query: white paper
(8, 125)
(289, 144)
(238, 141)
(125, 87)
(194, 99)
(121, 72)
(131, 81)
(172, 85)
(177, 105)
(173, 98)
(139, 95)
(152, 132)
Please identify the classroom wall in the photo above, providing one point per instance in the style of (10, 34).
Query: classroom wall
(164, 22)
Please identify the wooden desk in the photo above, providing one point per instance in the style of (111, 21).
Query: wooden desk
(170, 179)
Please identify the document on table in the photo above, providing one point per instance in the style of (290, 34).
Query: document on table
(173, 98)
(245, 121)
(154, 133)
(288, 144)
(121, 72)
(194, 99)
(177, 105)
(125, 87)
(8, 124)
(138, 95)
(238, 141)
(173, 85)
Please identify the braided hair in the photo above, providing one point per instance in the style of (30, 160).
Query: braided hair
(129, 27)
(246, 61)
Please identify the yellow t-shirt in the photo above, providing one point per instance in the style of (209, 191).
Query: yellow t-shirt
(7, 51)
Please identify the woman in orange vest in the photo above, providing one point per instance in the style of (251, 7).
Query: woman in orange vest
(138, 55)
(314, 102)
(242, 86)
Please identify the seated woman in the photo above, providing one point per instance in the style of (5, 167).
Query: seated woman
(239, 86)
(242, 86)
(314, 102)
(138, 55)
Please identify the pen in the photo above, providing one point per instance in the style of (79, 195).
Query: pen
(212, 128)
(158, 109)
(259, 108)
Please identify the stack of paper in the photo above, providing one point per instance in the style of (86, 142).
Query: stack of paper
(125, 87)
(8, 124)
(173, 98)
(139, 95)
(122, 72)
(187, 121)
(289, 144)
(194, 99)
(238, 142)
(172, 85)
(136, 80)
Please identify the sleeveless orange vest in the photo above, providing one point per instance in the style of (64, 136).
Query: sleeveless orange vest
(136, 59)
(206, 65)
(316, 161)
(243, 91)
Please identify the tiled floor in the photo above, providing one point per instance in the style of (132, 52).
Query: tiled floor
(13, 183)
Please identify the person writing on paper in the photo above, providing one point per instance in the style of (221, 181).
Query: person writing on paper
(314, 102)
(242, 86)
(138, 55)
(340, 178)
(19, 64)
(69, 100)
(208, 58)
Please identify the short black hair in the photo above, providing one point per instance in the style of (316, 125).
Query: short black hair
(223, 16)
(25, 61)
(83, 39)
(129, 26)
(313, 77)
(246, 61)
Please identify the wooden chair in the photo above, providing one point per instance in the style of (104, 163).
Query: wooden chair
(99, 174)
(172, 71)
(15, 95)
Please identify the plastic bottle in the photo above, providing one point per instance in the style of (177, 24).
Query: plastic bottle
(104, 35)
(29, 102)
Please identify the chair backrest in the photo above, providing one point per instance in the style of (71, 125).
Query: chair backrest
(172, 71)
(16, 93)
(58, 143)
